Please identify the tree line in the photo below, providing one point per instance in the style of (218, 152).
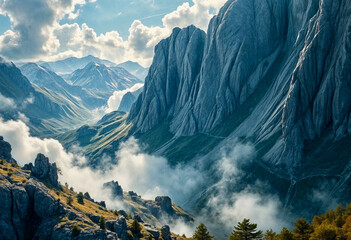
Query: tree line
(333, 225)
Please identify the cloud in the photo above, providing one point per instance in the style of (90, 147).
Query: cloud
(115, 100)
(6, 103)
(36, 33)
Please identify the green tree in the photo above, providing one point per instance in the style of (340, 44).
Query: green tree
(245, 230)
(102, 223)
(80, 198)
(135, 227)
(302, 229)
(325, 232)
(270, 235)
(285, 234)
(201, 233)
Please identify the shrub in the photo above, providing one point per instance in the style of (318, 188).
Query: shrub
(2, 162)
(9, 174)
(13, 165)
(102, 223)
(75, 230)
(80, 198)
(135, 227)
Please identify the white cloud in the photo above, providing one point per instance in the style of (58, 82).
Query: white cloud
(36, 32)
(6, 103)
(115, 100)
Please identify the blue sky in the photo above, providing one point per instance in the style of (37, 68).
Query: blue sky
(117, 30)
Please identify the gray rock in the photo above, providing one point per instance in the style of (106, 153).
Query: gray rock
(45, 205)
(20, 210)
(5, 151)
(165, 204)
(45, 171)
(115, 188)
(120, 227)
(166, 233)
(138, 218)
(94, 218)
(154, 232)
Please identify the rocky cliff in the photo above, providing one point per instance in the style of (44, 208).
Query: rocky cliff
(287, 62)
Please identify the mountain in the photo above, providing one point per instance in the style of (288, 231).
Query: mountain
(102, 79)
(36, 206)
(72, 64)
(270, 74)
(45, 78)
(47, 111)
(128, 99)
(135, 68)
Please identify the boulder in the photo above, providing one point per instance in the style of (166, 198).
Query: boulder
(153, 231)
(166, 233)
(121, 228)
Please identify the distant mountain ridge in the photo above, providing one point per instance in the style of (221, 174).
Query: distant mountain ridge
(135, 68)
(71, 64)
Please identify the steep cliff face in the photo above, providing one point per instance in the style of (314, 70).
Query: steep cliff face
(171, 77)
(286, 62)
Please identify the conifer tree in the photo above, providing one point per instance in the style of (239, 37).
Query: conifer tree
(201, 233)
(245, 231)
(302, 229)
(285, 234)
(80, 198)
(270, 235)
(102, 223)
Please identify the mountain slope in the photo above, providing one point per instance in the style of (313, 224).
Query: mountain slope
(99, 78)
(47, 112)
(135, 69)
(47, 79)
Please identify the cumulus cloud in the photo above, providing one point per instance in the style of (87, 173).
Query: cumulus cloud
(36, 32)
(115, 100)
(6, 103)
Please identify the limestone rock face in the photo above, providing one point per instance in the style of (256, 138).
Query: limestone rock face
(121, 228)
(45, 170)
(166, 233)
(287, 63)
(174, 70)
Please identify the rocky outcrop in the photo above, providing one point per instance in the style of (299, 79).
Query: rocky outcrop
(5, 151)
(44, 170)
(166, 233)
(121, 228)
(115, 188)
(165, 203)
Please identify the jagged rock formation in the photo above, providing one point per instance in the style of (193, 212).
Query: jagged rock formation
(116, 189)
(165, 204)
(5, 150)
(44, 170)
(128, 99)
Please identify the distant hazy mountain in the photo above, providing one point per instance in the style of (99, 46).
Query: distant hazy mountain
(135, 68)
(46, 78)
(100, 78)
(48, 112)
(71, 64)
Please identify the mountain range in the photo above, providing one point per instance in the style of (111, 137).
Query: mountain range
(271, 74)
(260, 104)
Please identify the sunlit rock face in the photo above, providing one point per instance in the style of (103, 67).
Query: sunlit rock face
(287, 62)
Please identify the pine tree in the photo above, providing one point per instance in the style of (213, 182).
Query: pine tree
(270, 235)
(201, 233)
(80, 198)
(302, 229)
(102, 223)
(285, 234)
(245, 230)
(69, 200)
